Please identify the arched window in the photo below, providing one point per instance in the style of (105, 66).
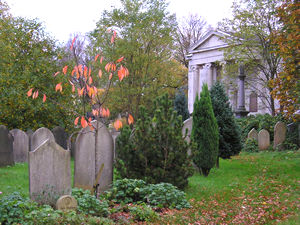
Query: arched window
(253, 102)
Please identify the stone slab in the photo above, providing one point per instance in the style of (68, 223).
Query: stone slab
(20, 145)
(40, 136)
(263, 139)
(66, 203)
(6, 147)
(253, 134)
(280, 130)
(60, 136)
(49, 173)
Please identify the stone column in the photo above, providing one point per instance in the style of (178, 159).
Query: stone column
(241, 110)
(193, 81)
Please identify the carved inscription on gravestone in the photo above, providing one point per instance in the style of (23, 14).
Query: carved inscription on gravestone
(66, 203)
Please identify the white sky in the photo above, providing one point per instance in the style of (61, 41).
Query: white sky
(62, 18)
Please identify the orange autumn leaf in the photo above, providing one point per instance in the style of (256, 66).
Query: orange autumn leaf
(107, 67)
(58, 87)
(101, 59)
(65, 69)
(35, 94)
(110, 76)
(73, 88)
(29, 93)
(120, 59)
(83, 122)
(76, 120)
(85, 71)
(90, 80)
(90, 71)
(130, 119)
(56, 74)
(118, 125)
(96, 57)
(100, 73)
(113, 67)
(44, 98)
(112, 39)
(73, 71)
(80, 91)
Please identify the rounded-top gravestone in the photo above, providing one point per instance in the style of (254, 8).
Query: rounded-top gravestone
(6, 147)
(263, 139)
(20, 145)
(279, 134)
(253, 134)
(66, 203)
(40, 136)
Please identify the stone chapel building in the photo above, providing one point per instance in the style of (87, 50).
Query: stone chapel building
(206, 65)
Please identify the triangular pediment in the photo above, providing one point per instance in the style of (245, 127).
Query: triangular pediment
(212, 40)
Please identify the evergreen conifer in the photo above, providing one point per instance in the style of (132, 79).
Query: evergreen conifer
(205, 135)
(229, 132)
(181, 106)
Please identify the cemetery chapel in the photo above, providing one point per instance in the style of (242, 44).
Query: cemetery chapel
(207, 64)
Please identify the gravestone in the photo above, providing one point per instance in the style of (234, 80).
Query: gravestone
(92, 149)
(253, 134)
(29, 134)
(49, 173)
(20, 145)
(60, 136)
(6, 147)
(187, 124)
(263, 139)
(66, 203)
(279, 134)
(40, 136)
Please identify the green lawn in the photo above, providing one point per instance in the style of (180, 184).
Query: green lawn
(257, 188)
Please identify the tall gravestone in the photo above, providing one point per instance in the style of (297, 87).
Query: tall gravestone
(20, 145)
(279, 134)
(263, 139)
(6, 147)
(92, 149)
(253, 134)
(49, 173)
(40, 136)
(61, 136)
(29, 134)
(187, 124)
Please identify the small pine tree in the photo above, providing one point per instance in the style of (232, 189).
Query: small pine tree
(229, 132)
(205, 135)
(155, 150)
(181, 106)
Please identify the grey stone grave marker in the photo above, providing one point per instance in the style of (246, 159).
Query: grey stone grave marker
(49, 173)
(66, 203)
(92, 149)
(253, 134)
(279, 134)
(263, 139)
(40, 136)
(20, 145)
(6, 147)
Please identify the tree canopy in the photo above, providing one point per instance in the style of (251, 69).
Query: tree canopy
(145, 39)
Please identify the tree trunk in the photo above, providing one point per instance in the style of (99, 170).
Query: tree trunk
(205, 171)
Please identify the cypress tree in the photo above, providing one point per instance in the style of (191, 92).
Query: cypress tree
(180, 105)
(229, 132)
(205, 135)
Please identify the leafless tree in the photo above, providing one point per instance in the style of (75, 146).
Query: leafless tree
(189, 31)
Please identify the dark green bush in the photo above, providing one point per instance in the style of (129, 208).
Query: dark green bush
(126, 190)
(155, 150)
(157, 195)
(205, 133)
(89, 204)
(229, 132)
(164, 195)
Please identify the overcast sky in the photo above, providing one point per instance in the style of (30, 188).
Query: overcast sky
(62, 18)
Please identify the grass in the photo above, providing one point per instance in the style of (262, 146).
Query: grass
(256, 188)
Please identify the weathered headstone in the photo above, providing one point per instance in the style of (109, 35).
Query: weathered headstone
(61, 137)
(49, 173)
(6, 147)
(40, 136)
(66, 203)
(187, 124)
(279, 134)
(29, 134)
(92, 149)
(20, 145)
(263, 139)
(253, 134)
